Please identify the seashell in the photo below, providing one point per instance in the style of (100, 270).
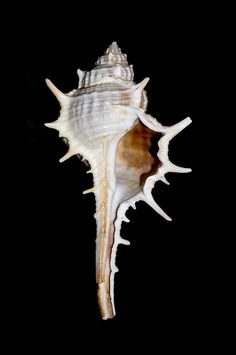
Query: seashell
(105, 122)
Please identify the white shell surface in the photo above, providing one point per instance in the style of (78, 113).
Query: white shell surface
(105, 122)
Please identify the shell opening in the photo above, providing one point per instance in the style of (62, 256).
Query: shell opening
(136, 159)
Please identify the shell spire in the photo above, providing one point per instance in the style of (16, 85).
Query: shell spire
(113, 48)
(112, 56)
(111, 67)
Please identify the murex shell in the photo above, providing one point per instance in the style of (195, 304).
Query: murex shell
(104, 121)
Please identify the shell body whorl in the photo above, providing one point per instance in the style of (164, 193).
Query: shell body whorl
(105, 122)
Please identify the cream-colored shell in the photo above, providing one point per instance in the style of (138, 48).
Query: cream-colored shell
(105, 122)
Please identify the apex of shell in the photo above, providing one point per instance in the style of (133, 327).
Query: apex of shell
(113, 48)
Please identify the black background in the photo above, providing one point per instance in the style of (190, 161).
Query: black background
(163, 288)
